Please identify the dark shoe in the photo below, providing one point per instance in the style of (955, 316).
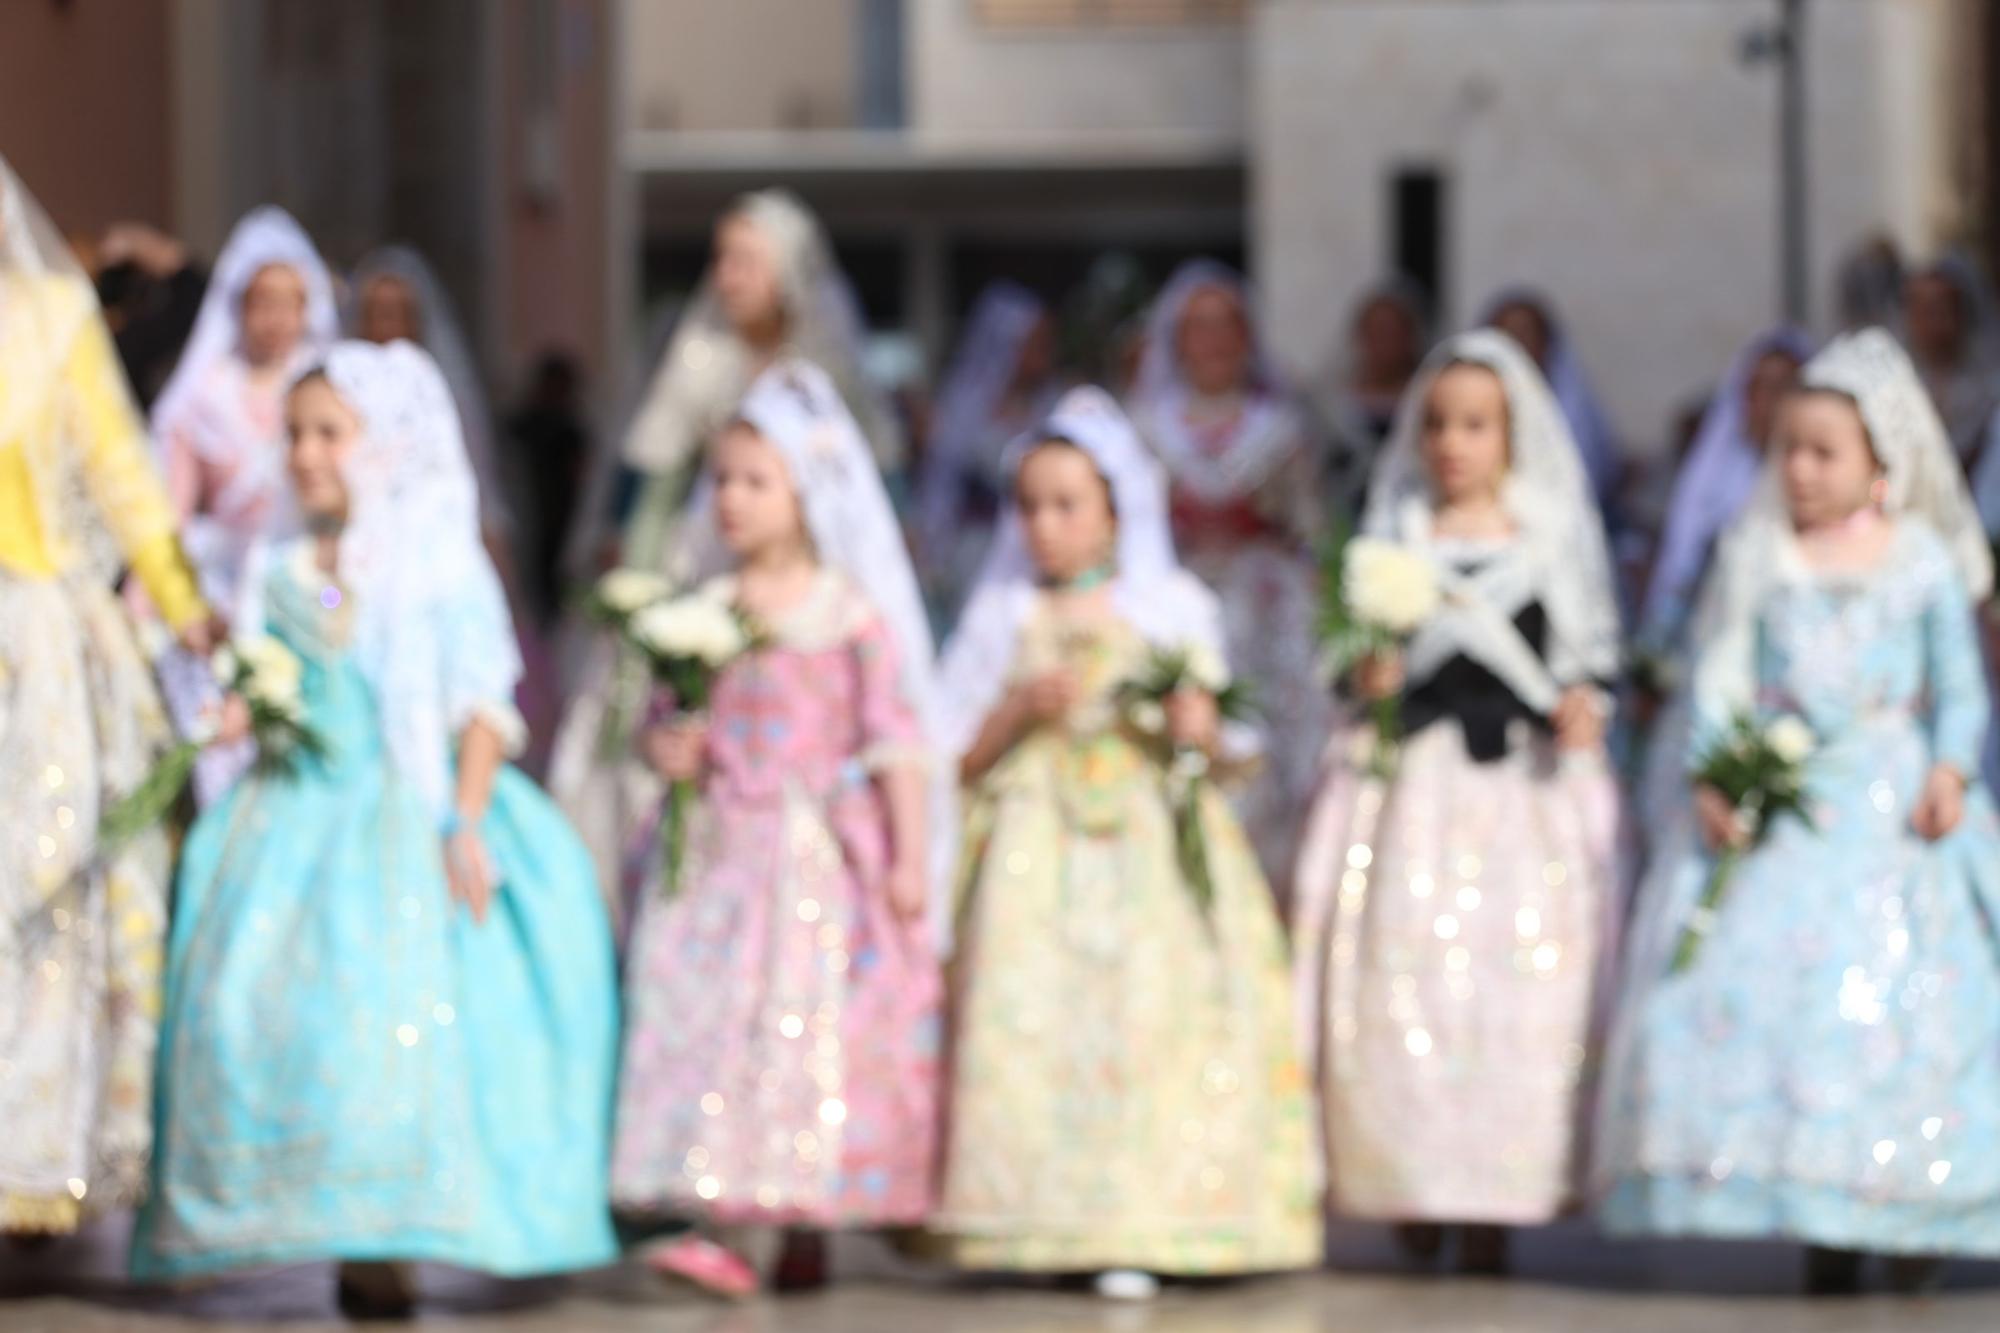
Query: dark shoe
(1483, 1252)
(1832, 1272)
(802, 1264)
(1421, 1241)
(1915, 1274)
(376, 1293)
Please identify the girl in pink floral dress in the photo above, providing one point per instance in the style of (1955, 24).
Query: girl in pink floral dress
(781, 1068)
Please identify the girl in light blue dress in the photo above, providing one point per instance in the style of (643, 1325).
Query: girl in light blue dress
(1826, 1068)
(389, 1025)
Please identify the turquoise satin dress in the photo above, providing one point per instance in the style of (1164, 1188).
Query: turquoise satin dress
(350, 1067)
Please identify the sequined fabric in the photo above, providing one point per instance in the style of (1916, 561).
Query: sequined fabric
(782, 1060)
(350, 1066)
(1451, 925)
(1126, 1090)
(1829, 1067)
(80, 936)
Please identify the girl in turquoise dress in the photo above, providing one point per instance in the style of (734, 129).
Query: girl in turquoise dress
(1826, 1069)
(389, 1026)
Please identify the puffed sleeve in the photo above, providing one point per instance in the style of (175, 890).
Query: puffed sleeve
(1960, 710)
(118, 470)
(891, 734)
(480, 657)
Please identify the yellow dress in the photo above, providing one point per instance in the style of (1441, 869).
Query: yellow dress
(1126, 1089)
(80, 724)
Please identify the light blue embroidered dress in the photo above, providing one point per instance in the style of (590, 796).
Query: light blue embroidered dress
(352, 1068)
(1828, 1068)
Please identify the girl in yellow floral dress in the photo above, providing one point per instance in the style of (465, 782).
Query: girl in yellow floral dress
(1126, 1094)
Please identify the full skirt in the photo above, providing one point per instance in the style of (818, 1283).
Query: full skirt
(1453, 925)
(80, 928)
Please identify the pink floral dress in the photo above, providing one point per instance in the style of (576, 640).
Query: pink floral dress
(781, 1062)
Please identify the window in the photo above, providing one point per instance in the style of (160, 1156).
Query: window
(1108, 13)
(1417, 229)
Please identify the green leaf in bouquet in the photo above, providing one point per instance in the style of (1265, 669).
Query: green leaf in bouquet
(148, 805)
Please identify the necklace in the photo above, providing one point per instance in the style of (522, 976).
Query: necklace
(1088, 581)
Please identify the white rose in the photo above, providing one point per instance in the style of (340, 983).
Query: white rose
(697, 627)
(1149, 718)
(1206, 669)
(626, 591)
(1387, 586)
(272, 674)
(1791, 739)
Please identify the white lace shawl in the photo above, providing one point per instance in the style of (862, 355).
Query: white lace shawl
(1596, 441)
(444, 337)
(432, 632)
(1169, 607)
(1925, 484)
(1271, 431)
(1559, 556)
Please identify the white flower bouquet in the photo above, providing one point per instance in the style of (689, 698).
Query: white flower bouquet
(1760, 771)
(1374, 595)
(624, 593)
(1144, 701)
(268, 677)
(686, 642)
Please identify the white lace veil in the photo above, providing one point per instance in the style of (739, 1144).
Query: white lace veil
(707, 369)
(1570, 383)
(443, 336)
(1720, 474)
(31, 252)
(432, 630)
(989, 356)
(1924, 483)
(1547, 492)
(796, 406)
(266, 236)
(1166, 604)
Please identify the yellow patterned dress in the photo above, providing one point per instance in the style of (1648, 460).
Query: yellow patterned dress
(1126, 1091)
(80, 724)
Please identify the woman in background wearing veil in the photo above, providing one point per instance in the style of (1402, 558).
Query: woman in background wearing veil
(1815, 1055)
(1721, 474)
(1952, 332)
(1385, 344)
(219, 427)
(1529, 318)
(1002, 380)
(1247, 516)
(772, 291)
(81, 724)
